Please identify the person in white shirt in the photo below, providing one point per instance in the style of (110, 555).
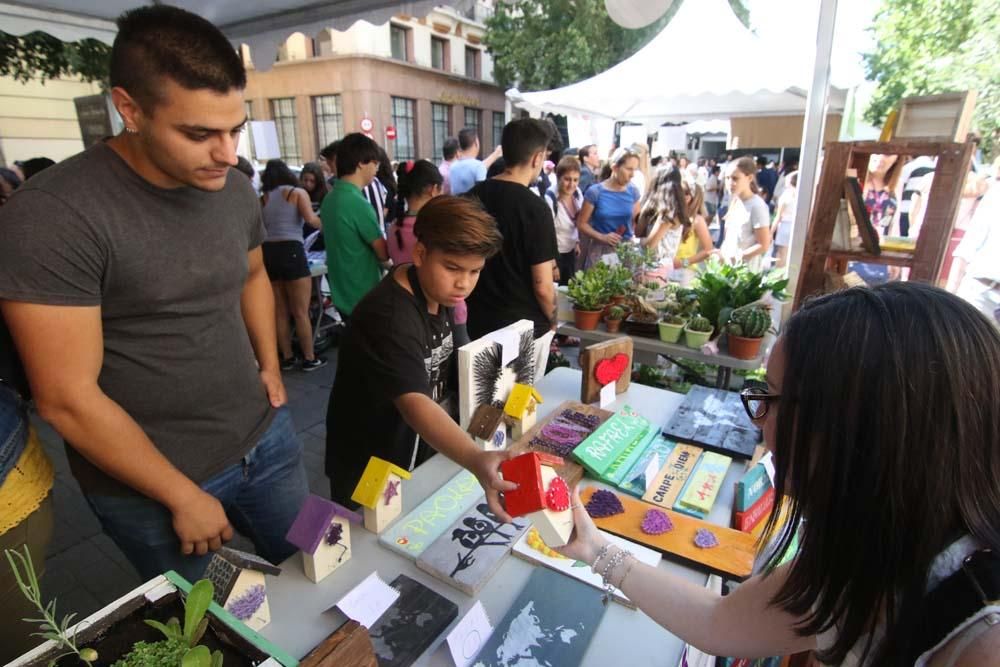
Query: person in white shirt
(784, 216)
(566, 200)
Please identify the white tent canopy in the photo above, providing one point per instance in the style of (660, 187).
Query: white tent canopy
(704, 64)
(264, 24)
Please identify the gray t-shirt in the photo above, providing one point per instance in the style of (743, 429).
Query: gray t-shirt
(167, 268)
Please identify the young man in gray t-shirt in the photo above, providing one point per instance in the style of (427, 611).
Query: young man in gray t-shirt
(132, 280)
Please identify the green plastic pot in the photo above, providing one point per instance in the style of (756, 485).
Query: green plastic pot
(671, 333)
(695, 339)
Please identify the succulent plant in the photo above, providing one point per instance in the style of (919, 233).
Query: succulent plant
(751, 321)
(615, 313)
(700, 324)
(588, 290)
(674, 319)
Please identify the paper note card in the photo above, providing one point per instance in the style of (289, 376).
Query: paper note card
(469, 636)
(652, 470)
(367, 601)
(608, 394)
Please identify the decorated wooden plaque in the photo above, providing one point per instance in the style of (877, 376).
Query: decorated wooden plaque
(349, 646)
(674, 534)
(604, 363)
(560, 432)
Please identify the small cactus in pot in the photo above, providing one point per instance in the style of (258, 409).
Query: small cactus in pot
(746, 328)
(697, 332)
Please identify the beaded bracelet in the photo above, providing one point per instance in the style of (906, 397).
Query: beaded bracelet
(609, 569)
(600, 554)
(631, 562)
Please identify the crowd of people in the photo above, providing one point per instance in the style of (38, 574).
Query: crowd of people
(151, 320)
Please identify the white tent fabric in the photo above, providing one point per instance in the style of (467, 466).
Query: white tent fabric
(675, 78)
(263, 24)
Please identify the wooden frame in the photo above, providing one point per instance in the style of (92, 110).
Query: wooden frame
(942, 117)
(855, 197)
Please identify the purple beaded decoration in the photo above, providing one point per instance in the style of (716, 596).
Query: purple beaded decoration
(705, 539)
(561, 435)
(656, 523)
(247, 604)
(603, 504)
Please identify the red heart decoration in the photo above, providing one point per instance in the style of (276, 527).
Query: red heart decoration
(557, 495)
(607, 371)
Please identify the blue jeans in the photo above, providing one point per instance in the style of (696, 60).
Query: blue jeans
(262, 495)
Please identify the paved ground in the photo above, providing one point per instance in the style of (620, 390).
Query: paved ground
(84, 568)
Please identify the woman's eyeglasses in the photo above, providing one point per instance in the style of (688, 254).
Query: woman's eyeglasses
(756, 400)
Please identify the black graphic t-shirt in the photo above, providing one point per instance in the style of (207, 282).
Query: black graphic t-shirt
(393, 346)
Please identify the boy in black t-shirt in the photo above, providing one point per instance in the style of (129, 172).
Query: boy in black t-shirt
(397, 353)
(517, 282)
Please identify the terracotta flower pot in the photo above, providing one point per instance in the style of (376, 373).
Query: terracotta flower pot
(671, 333)
(743, 348)
(586, 320)
(613, 325)
(695, 339)
(618, 299)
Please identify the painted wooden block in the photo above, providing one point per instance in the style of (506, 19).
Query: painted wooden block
(606, 452)
(521, 409)
(488, 427)
(240, 587)
(471, 550)
(541, 495)
(380, 492)
(551, 622)
(482, 375)
(714, 419)
(672, 476)
(603, 363)
(412, 624)
(733, 556)
(703, 486)
(349, 646)
(560, 432)
(751, 487)
(412, 534)
(756, 513)
(634, 481)
(322, 531)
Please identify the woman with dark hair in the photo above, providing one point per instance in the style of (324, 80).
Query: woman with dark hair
(419, 182)
(285, 207)
(313, 181)
(663, 219)
(609, 207)
(880, 409)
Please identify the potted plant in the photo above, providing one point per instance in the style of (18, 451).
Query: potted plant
(746, 328)
(619, 283)
(642, 318)
(698, 331)
(164, 621)
(671, 327)
(722, 287)
(613, 318)
(588, 292)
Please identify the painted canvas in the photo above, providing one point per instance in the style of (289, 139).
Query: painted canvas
(531, 548)
(416, 531)
(714, 419)
(471, 550)
(414, 621)
(550, 623)
(482, 375)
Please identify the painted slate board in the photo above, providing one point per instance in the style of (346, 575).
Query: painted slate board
(551, 622)
(412, 534)
(714, 419)
(562, 430)
(468, 553)
(733, 556)
(531, 548)
(413, 622)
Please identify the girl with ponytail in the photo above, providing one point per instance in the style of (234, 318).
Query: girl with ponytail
(418, 182)
(748, 228)
(663, 218)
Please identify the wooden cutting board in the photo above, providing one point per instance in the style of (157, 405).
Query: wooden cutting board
(733, 557)
(570, 471)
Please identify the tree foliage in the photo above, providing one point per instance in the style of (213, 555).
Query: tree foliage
(42, 56)
(542, 44)
(934, 46)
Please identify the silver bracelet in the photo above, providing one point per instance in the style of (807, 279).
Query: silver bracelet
(609, 569)
(600, 554)
(631, 562)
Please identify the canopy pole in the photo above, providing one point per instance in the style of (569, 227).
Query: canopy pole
(812, 143)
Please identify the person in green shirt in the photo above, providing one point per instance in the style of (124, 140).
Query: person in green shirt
(355, 247)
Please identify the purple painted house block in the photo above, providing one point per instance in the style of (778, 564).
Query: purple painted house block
(313, 522)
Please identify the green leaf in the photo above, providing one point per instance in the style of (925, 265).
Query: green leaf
(195, 607)
(168, 631)
(199, 656)
(217, 659)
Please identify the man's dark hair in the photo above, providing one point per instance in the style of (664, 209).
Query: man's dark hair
(277, 173)
(761, 161)
(523, 138)
(584, 152)
(243, 165)
(467, 138)
(355, 149)
(36, 164)
(329, 151)
(450, 148)
(160, 41)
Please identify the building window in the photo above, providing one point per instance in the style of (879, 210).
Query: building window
(440, 128)
(329, 119)
(402, 118)
(472, 119)
(440, 53)
(498, 123)
(472, 61)
(283, 115)
(400, 39)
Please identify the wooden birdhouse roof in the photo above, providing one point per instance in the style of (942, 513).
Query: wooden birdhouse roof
(485, 421)
(520, 399)
(526, 471)
(225, 568)
(313, 522)
(373, 481)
